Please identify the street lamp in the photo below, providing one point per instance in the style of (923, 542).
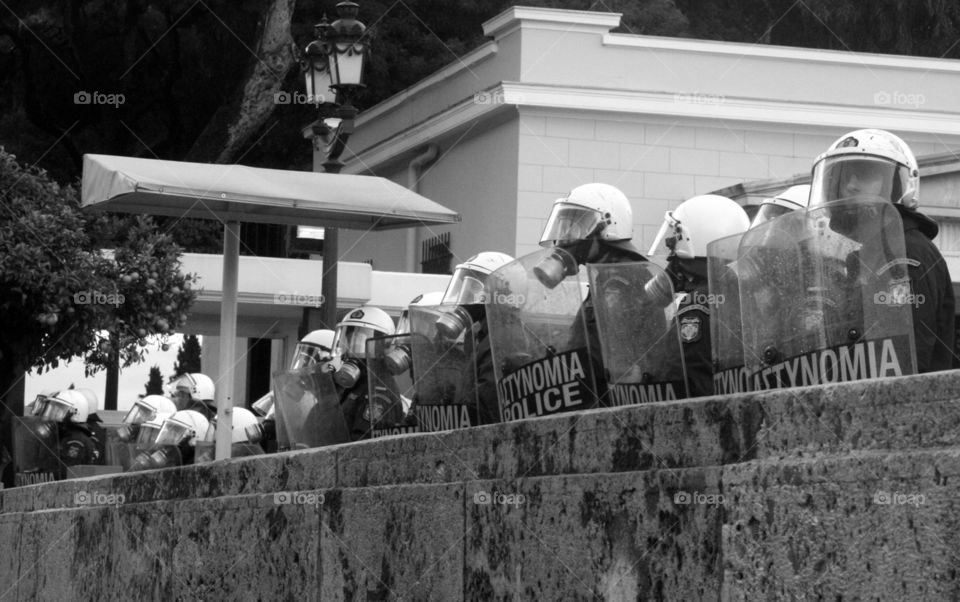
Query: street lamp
(333, 61)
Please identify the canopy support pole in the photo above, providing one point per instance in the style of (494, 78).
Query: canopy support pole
(328, 280)
(228, 338)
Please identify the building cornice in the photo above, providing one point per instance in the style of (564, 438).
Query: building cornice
(726, 108)
(806, 55)
(553, 19)
(658, 104)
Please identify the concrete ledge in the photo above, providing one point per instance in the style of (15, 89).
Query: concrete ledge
(757, 496)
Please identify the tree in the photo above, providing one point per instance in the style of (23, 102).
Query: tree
(62, 297)
(154, 385)
(188, 357)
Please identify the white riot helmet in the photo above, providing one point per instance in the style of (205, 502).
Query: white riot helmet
(242, 420)
(467, 284)
(867, 164)
(359, 325)
(350, 343)
(314, 348)
(93, 402)
(199, 387)
(184, 426)
(144, 410)
(698, 221)
(430, 299)
(592, 210)
(66, 406)
(794, 198)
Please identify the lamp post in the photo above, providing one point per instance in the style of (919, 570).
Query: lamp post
(333, 61)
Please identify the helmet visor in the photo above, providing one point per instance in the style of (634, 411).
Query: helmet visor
(173, 432)
(308, 354)
(351, 341)
(570, 223)
(466, 287)
(147, 435)
(767, 212)
(670, 240)
(56, 410)
(139, 413)
(861, 177)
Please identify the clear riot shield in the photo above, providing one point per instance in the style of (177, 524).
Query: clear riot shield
(390, 382)
(639, 340)
(444, 368)
(539, 338)
(730, 375)
(307, 408)
(36, 451)
(851, 316)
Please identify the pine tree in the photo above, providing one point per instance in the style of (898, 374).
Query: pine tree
(188, 357)
(155, 383)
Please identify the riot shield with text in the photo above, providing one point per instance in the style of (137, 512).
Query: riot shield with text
(390, 382)
(851, 313)
(730, 375)
(639, 340)
(540, 342)
(307, 408)
(36, 451)
(444, 368)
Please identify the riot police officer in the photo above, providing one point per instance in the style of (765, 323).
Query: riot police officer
(685, 233)
(349, 351)
(78, 443)
(467, 289)
(592, 224)
(875, 164)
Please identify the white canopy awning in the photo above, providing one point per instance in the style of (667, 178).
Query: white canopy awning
(253, 194)
(235, 193)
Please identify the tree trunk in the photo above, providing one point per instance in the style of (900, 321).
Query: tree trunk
(12, 388)
(113, 376)
(234, 125)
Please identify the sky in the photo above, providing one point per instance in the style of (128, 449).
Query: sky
(133, 380)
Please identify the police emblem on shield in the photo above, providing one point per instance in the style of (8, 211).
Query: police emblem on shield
(690, 329)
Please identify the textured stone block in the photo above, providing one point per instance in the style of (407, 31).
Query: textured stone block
(257, 547)
(392, 543)
(864, 526)
(596, 537)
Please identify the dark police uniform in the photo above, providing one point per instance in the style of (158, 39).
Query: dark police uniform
(933, 318)
(693, 321)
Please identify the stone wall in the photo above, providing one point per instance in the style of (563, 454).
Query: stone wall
(837, 492)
